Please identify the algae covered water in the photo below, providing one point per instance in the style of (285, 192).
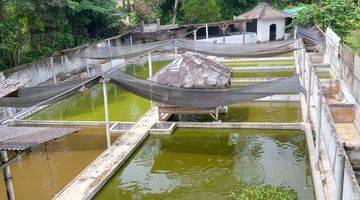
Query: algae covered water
(89, 106)
(212, 164)
(48, 168)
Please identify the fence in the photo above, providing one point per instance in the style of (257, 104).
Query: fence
(342, 170)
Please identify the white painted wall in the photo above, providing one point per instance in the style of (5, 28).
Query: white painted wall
(233, 39)
(263, 29)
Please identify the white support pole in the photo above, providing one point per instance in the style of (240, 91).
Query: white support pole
(195, 34)
(318, 129)
(131, 40)
(110, 51)
(150, 65)
(176, 49)
(7, 177)
(53, 69)
(307, 114)
(150, 72)
(106, 109)
(207, 31)
(339, 177)
(87, 65)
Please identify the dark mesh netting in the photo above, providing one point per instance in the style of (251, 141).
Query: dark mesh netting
(264, 49)
(48, 94)
(311, 33)
(203, 98)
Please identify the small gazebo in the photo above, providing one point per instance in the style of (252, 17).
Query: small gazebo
(191, 70)
(267, 22)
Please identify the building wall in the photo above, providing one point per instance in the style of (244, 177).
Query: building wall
(263, 29)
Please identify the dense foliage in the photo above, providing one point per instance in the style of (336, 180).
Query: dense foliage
(34, 29)
(265, 192)
(341, 15)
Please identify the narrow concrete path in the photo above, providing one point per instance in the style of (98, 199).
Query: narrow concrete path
(93, 178)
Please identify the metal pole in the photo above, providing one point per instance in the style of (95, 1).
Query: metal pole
(7, 177)
(318, 130)
(52, 68)
(307, 116)
(195, 32)
(340, 177)
(106, 109)
(207, 31)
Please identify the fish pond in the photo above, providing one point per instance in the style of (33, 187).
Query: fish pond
(213, 164)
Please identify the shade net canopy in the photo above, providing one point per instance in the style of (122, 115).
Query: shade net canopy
(265, 49)
(203, 98)
(46, 94)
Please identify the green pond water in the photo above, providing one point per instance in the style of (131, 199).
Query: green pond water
(258, 63)
(324, 75)
(42, 173)
(253, 112)
(212, 164)
(261, 74)
(89, 106)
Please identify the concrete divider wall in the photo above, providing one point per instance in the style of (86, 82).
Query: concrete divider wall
(328, 133)
(66, 62)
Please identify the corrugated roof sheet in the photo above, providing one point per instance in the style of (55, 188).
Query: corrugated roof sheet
(192, 70)
(263, 11)
(21, 138)
(7, 86)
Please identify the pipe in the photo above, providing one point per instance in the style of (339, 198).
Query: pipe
(318, 129)
(7, 177)
(339, 177)
(106, 109)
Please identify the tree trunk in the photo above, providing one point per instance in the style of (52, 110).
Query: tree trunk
(176, 4)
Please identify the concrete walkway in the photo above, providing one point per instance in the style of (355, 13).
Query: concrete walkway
(93, 178)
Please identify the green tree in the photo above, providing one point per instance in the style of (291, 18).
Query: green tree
(200, 11)
(341, 15)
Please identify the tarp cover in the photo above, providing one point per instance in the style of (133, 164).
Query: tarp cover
(203, 98)
(30, 96)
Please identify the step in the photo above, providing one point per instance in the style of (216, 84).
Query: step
(342, 112)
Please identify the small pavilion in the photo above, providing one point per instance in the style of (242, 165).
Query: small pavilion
(192, 70)
(267, 22)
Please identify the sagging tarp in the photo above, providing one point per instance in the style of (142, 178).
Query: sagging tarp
(30, 96)
(203, 98)
(264, 49)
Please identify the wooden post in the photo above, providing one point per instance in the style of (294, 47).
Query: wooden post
(53, 69)
(195, 32)
(106, 109)
(207, 31)
(7, 177)
(318, 130)
(339, 177)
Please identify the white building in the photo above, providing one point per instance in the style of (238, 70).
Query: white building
(267, 22)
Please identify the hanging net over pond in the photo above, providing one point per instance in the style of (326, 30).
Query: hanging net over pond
(203, 98)
(264, 49)
(46, 94)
